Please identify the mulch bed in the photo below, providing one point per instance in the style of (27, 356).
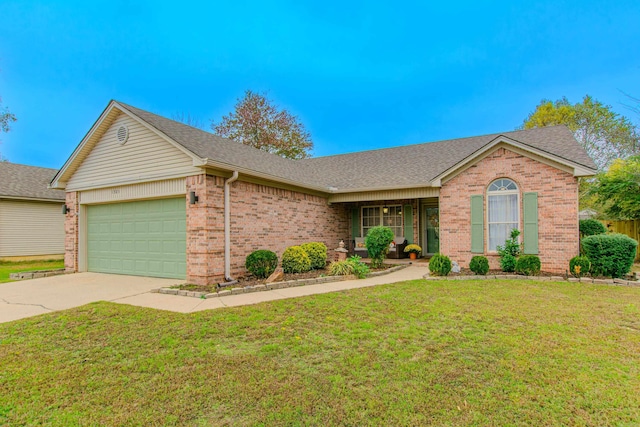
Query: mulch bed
(252, 281)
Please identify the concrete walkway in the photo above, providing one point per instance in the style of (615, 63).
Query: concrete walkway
(188, 305)
(32, 297)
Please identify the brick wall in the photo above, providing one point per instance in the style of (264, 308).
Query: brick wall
(262, 217)
(71, 233)
(557, 208)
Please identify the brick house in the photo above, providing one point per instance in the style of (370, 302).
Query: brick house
(150, 196)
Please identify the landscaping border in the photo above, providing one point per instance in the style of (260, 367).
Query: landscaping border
(619, 282)
(26, 275)
(270, 286)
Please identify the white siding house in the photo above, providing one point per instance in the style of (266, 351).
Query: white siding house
(31, 219)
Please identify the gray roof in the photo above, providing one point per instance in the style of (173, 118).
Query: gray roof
(27, 182)
(410, 165)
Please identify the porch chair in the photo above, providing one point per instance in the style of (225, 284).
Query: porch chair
(396, 248)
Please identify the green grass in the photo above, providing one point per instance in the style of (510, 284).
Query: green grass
(416, 353)
(7, 268)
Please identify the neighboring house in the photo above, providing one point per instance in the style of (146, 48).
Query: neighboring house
(31, 220)
(150, 196)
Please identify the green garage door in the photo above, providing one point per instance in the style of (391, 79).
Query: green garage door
(145, 238)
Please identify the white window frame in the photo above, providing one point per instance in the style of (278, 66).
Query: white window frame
(501, 192)
(381, 218)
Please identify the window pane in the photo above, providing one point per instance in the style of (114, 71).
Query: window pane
(503, 208)
(499, 233)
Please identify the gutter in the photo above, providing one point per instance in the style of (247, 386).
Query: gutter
(227, 231)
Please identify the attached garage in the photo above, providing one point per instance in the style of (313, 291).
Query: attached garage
(143, 238)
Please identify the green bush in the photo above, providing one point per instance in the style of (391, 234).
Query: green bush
(591, 227)
(439, 265)
(353, 265)
(341, 268)
(529, 265)
(261, 263)
(479, 265)
(611, 255)
(508, 263)
(317, 252)
(295, 260)
(583, 264)
(377, 241)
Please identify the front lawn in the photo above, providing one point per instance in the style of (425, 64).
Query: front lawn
(6, 268)
(415, 353)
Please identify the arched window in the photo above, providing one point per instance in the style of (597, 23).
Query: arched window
(503, 211)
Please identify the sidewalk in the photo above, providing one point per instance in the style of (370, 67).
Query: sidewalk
(183, 304)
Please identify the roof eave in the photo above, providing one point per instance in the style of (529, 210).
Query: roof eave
(578, 169)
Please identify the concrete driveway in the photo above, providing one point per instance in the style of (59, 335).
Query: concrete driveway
(37, 296)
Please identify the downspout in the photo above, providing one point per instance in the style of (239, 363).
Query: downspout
(227, 231)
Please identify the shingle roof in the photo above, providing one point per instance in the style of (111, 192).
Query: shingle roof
(420, 163)
(399, 166)
(27, 181)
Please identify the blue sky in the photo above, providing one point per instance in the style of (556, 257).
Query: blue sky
(362, 75)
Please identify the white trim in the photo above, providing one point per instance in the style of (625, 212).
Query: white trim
(500, 193)
(33, 199)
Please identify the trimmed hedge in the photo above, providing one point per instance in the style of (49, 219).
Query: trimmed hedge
(317, 253)
(508, 263)
(261, 263)
(582, 262)
(479, 265)
(439, 265)
(611, 255)
(295, 260)
(529, 265)
(591, 227)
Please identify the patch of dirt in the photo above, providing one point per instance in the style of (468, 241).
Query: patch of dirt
(252, 281)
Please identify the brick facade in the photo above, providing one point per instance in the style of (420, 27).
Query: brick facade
(71, 233)
(262, 217)
(557, 208)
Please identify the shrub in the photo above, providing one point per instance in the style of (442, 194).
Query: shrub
(295, 260)
(340, 268)
(261, 263)
(439, 265)
(508, 263)
(529, 265)
(479, 265)
(511, 245)
(353, 265)
(610, 254)
(317, 253)
(377, 241)
(579, 266)
(591, 227)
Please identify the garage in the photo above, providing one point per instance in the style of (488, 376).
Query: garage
(142, 238)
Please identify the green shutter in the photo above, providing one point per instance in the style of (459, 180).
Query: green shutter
(408, 223)
(477, 224)
(355, 222)
(530, 234)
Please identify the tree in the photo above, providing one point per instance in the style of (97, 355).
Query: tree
(258, 123)
(617, 191)
(604, 134)
(6, 118)
(188, 119)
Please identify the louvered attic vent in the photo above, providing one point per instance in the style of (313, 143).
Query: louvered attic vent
(122, 134)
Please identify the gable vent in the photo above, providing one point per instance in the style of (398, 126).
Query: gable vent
(122, 134)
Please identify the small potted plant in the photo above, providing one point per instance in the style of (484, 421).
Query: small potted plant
(413, 250)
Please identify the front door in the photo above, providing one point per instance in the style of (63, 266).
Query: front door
(432, 230)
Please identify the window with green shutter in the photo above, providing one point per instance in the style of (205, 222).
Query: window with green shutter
(477, 224)
(355, 222)
(530, 234)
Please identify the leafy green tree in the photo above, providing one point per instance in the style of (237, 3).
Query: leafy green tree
(617, 191)
(604, 134)
(258, 123)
